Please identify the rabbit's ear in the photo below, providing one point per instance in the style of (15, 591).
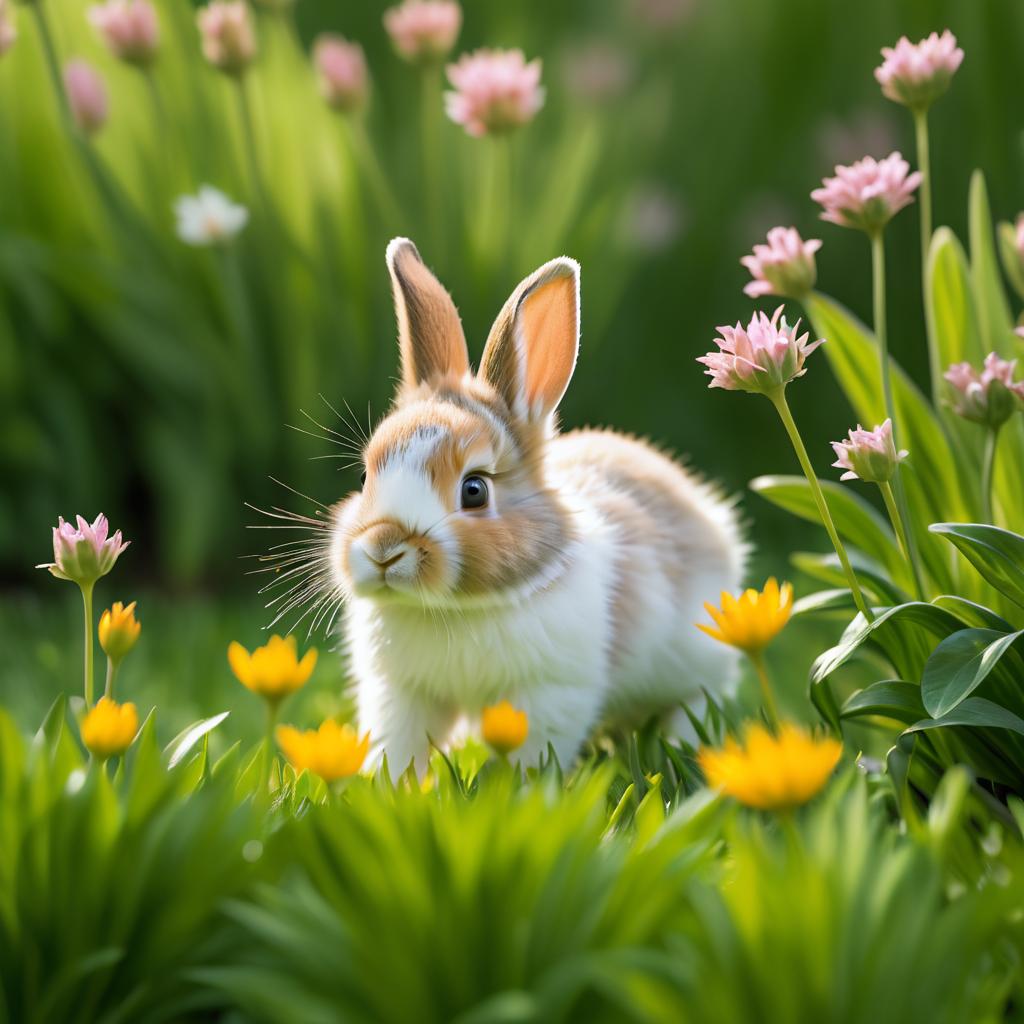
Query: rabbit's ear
(531, 351)
(429, 330)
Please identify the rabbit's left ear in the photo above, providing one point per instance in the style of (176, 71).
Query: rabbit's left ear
(531, 351)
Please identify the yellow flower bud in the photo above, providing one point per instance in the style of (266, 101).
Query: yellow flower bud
(274, 670)
(109, 728)
(119, 630)
(504, 728)
(333, 751)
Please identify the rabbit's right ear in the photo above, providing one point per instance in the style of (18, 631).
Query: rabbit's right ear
(430, 334)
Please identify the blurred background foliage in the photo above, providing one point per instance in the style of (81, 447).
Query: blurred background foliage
(156, 382)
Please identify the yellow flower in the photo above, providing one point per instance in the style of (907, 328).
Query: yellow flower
(504, 727)
(333, 751)
(119, 630)
(752, 620)
(769, 772)
(274, 670)
(109, 728)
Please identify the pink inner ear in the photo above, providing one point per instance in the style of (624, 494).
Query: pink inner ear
(548, 326)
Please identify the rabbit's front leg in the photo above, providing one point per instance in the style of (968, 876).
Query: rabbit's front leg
(562, 714)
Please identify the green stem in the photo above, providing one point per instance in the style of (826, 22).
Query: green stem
(373, 173)
(52, 64)
(86, 589)
(782, 406)
(901, 534)
(430, 125)
(767, 693)
(268, 746)
(249, 134)
(108, 690)
(925, 204)
(885, 368)
(988, 473)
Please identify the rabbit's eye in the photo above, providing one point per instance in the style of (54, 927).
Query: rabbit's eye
(474, 492)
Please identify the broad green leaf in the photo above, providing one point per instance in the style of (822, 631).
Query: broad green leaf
(976, 712)
(827, 569)
(889, 698)
(959, 665)
(179, 747)
(997, 554)
(856, 519)
(972, 614)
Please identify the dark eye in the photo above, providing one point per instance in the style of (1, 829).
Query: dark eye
(474, 492)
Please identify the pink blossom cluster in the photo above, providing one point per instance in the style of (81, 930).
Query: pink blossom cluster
(228, 37)
(87, 96)
(761, 358)
(785, 266)
(341, 70)
(917, 74)
(868, 193)
(989, 397)
(869, 455)
(85, 552)
(424, 31)
(495, 91)
(129, 28)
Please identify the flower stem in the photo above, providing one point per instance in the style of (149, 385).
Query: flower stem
(901, 534)
(108, 690)
(268, 747)
(987, 474)
(882, 336)
(767, 693)
(52, 64)
(249, 134)
(925, 202)
(86, 589)
(430, 124)
(782, 406)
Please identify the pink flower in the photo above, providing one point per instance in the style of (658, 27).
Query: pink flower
(868, 193)
(424, 31)
(87, 95)
(917, 74)
(495, 91)
(228, 38)
(596, 72)
(8, 31)
(341, 66)
(129, 28)
(762, 358)
(990, 397)
(868, 454)
(785, 266)
(86, 553)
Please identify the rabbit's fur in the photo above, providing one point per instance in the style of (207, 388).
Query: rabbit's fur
(572, 592)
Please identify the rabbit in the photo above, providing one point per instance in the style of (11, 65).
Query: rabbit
(489, 557)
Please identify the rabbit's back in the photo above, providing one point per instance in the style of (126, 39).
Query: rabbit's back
(678, 544)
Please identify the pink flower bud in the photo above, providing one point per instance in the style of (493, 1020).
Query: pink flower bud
(917, 74)
(87, 95)
(868, 454)
(341, 68)
(990, 397)
(8, 31)
(129, 28)
(785, 266)
(84, 554)
(495, 91)
(868, 193)
(761, 358)
(228, 38)
(424, 31)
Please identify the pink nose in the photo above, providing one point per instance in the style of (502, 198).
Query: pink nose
(384, 545)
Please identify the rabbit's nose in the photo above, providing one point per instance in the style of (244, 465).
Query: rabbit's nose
(386, 558)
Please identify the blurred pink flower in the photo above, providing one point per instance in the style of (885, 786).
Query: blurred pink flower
(87, 95)
(495, 91)
(663, 14)
(129, 28)
(917, 74)
(651, 218)
(341, 68)
(990, 397)
(866, 194)
(596, 71)
(228, 38)
(86, 553)
(785, 266)
(761, 358)
(868, 455)
(424, 31)
(8, 30)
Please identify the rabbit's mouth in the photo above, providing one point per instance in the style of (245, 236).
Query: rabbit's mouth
(384, 559)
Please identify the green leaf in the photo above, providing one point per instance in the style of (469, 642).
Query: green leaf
(856, 519)
(997, 554)
(959, 665)
(179, 747)
(890, 698)
(993, 309)
(977, 713)
(1006, 235)
(971, 613)
(826, 567)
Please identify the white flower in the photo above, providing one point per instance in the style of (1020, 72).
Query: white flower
(208, 217)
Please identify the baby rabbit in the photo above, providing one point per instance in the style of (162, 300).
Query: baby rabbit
(488, 557)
